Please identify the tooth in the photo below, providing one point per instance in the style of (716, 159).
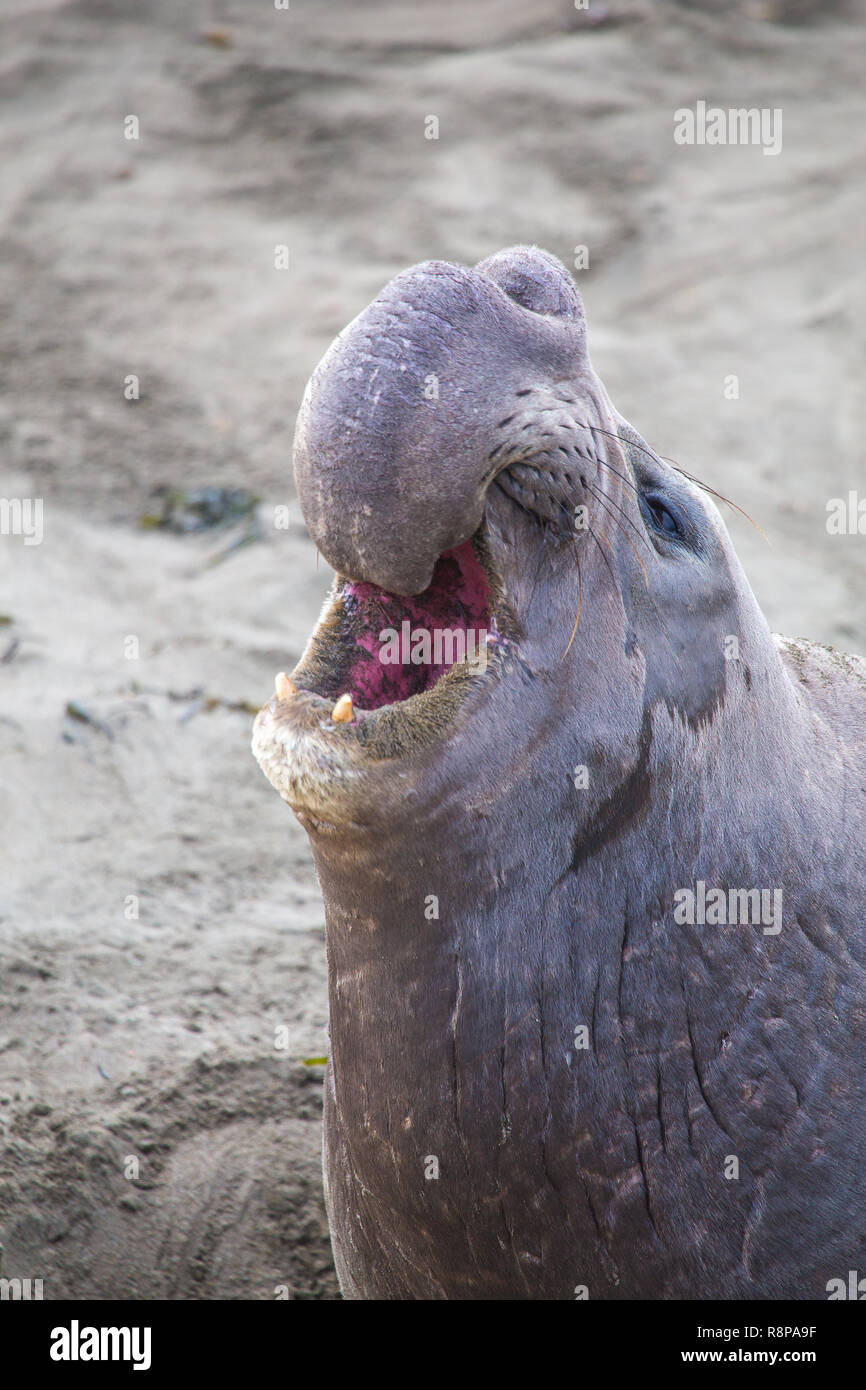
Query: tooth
(283, 687)
(342, 711)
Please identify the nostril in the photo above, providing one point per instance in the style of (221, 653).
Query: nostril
(535, 280)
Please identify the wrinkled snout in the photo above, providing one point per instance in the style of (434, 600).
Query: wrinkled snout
(404, 423)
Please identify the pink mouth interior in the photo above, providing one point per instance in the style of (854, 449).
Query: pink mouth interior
(457, 598)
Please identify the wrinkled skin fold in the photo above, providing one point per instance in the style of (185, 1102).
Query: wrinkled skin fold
(540, 1080)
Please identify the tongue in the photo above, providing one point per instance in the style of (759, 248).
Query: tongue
(404, 645)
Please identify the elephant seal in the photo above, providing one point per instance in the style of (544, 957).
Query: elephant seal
(594, 897)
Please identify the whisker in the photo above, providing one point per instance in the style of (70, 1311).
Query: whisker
(720, 496)
(698, 482)
(603, 556)
(541, 560)
(658, 614)
(603, 502)
(623, 477)
(579, 604)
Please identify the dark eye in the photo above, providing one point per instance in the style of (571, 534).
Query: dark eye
(660, 515)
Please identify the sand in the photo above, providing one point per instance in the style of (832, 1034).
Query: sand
(162, 975)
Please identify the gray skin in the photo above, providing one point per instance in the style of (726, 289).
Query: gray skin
(605, 1168)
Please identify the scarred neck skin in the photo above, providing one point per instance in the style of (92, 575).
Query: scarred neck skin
(470, 943)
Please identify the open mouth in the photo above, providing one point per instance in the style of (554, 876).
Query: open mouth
(389, 672)
(393, 648)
